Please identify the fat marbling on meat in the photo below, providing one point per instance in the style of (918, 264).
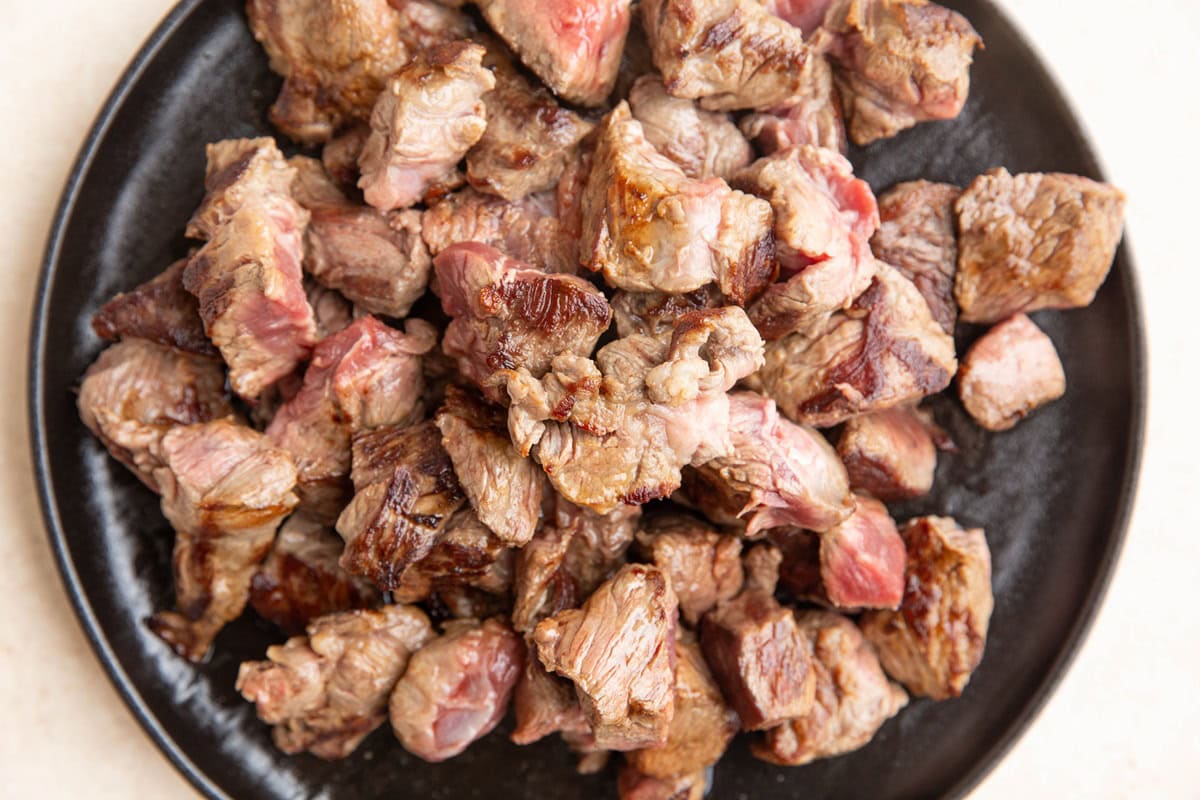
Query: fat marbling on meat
(705, 567)
(889, 454)
(159, 310)
(1010, 371)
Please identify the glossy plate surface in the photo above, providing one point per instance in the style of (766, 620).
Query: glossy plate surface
(1054, 494)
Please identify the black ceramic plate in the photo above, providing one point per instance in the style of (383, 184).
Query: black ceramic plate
(1053, 494)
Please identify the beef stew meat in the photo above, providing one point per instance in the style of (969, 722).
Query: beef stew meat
(917, 236)
(619, 650)
(544, 703)
(883, 351)
(814, 117)
(1033, 241)
(862, 559)
(633, 785)
(1010, 371)
(598, 542)
(541, 585)
(326, 691)
(225, 489)
(655, 313)
(468, 556)
(247, 275)
(366, 376)
(137, 391)
(425, 120)
(160, 311)
(774, 473)
(853, 696)
(340, 154)
(807, 15)
(705, 567)
(897, 63)
(649, 227)
(728, 54)
(456, 688)
(507, 315)
(702, 143)
(574, 46)
(620, 429)
(378, 261)
(889, 454)
(301, 579)
(934, 641)
(406, 492)
(332, 313)
(504, 487)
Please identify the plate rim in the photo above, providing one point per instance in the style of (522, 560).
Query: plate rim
(127, 689)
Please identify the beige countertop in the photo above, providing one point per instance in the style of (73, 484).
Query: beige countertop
(1124, 722)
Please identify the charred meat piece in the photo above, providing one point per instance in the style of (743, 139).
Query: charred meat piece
(326, 691)
(934, 641)
(702, 726)
(897, 63)
(648, 227)
(619, 649)
(731, 54)
(824, 218)
(509, 316)
(889, 454)
(757, 652)
(633, 785)
(426, 119)
(504, 487)
(528, 230)
(620, 429)
(378, 261)
(853, 697)
(301, 579)
(160, 311)
(225, 489)
(366, 376)
(814, 117)
(883, 351)
(655, 313)
(544, 703)
(574, 46)
(137, 391)
(456, 688)
(406, 492)
(1010, 371)
(529, 139)
(1033, 241)
(702, 143)
(247, 275)
(705, 567)
(916, 236)
(467, 557)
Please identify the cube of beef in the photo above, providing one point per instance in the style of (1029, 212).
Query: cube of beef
(1010, 371)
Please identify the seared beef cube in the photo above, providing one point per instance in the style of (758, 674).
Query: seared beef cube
(705, 567)
(366, 376)
(406, 494)
(620, 429)
(824, 218)
(807, 15)
(862, 559)
(916, 236)
(934, 641)
(633, 785)
(1010, 371)
(853, 696)
(326, 691)
(529, 139)
(466, 556)
(426, 119)
(380, 262)
(648, 227)
(137, 391)
(775, 473)
(225, 489)
(703, 143)
(1033, 241)
(702, 727)
(889, 454)
(247, 275)
(340, 154)
(883, 351)
(574, 46)
(814, 117)
(160, 311)
(655, 313)
(302, 580)
(619, 649)
(731, 54)
(544, 703)
(456, 688)
(509, 316)
(504, 487)
(897, 63)
(527, 230)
